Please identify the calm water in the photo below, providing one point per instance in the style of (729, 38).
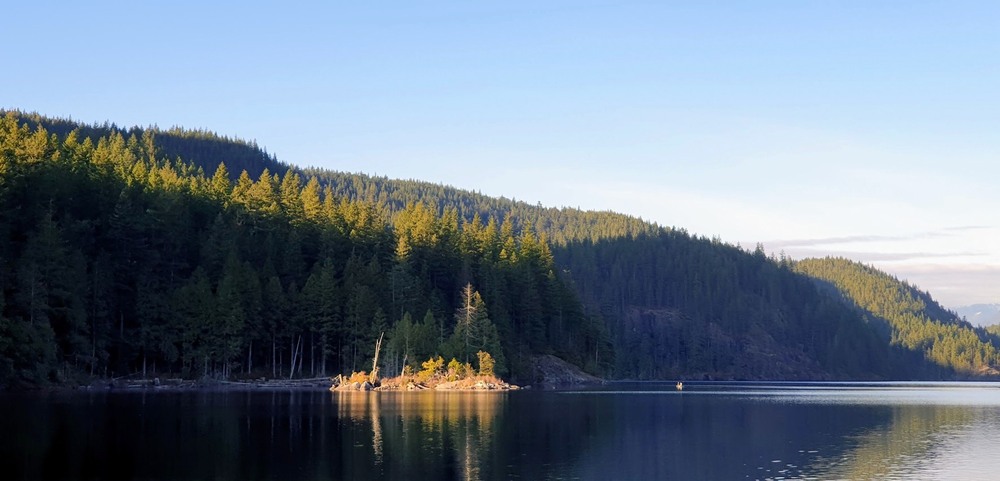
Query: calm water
(623, 431)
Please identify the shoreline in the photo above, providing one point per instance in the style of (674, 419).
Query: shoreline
(313, 385)
(477, 383)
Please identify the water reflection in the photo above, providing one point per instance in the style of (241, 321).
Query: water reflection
(408, 428)
(922, 442)
(703, 432)
(934, 431)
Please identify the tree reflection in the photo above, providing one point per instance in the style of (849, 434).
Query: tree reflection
(415, 434)
(901, 448)
(482, 436)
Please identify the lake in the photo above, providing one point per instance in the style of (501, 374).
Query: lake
(619, 431)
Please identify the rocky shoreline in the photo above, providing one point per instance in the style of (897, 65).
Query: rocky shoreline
(407, 383)
(548, 372)
(551, 372)
(179, 384)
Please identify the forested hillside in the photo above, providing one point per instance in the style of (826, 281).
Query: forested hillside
(691, 307)
(200, 147)
(116, 261)
(167, 249)
(917, 323)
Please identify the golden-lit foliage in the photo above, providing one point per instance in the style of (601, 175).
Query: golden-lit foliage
(357, 377)
(486, 363)
(432, 368)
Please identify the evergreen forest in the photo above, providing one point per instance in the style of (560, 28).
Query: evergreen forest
(142, 251)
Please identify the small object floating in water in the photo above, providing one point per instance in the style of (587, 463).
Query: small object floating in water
(680, 385)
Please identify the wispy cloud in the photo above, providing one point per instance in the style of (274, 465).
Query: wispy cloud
(823, 241)
(955, 286)
(966, 228)
(871, 257)
(861, 239)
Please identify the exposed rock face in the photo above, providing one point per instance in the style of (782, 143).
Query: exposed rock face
(351, 386)
(550, 371)
(475, 385)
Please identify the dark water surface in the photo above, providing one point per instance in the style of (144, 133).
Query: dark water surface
(622, 431)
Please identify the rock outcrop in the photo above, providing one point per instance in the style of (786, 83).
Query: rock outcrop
(550, 371)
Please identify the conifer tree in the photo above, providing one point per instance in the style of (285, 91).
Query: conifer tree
(473, 329)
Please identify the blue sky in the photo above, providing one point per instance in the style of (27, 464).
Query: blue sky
(866, 129)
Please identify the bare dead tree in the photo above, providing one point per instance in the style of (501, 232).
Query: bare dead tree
(378, 347)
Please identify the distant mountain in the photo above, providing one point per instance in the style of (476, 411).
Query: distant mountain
(980, 314)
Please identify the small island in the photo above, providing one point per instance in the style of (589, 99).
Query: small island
(435, 375)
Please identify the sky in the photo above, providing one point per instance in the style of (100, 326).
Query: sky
(862, 129)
